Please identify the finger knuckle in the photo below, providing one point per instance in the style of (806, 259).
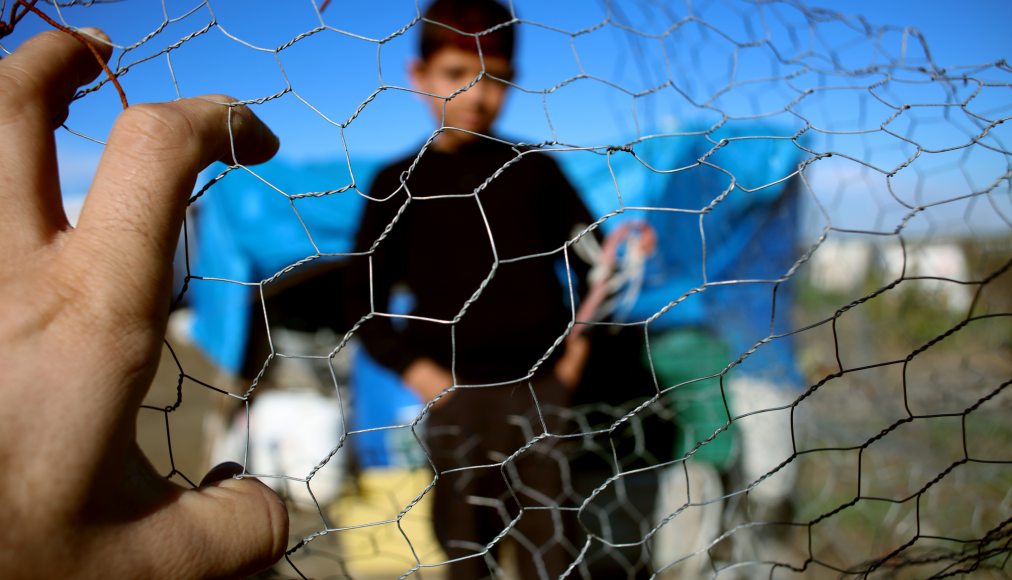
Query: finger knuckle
(18, 87)
(156, 128)
(18, 80)
(219, 98)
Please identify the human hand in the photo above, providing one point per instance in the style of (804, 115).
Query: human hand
(569, 368)
(82, 319)
(427, 379)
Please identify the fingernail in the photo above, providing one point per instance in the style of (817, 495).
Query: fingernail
(221, 472)
(95, 33)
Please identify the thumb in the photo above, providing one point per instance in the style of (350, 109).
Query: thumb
(236, 527)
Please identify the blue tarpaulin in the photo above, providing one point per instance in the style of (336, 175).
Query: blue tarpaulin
(248, 230)
(732, 211)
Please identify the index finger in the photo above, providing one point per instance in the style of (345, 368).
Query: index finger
(135, 207)
(37, 83)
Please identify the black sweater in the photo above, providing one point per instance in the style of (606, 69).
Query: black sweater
(448, 219)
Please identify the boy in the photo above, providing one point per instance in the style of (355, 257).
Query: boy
(474, 229)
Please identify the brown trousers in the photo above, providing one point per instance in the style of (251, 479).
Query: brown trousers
(497, 480)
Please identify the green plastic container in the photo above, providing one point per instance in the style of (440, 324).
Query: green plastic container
(684, 355)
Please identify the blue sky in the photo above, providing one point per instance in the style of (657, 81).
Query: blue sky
(332, 73)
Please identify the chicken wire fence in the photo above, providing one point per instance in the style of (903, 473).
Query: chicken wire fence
(801, 227)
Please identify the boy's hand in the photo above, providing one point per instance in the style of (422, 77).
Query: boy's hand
(82, 318)
(427, 379)
(569, 368)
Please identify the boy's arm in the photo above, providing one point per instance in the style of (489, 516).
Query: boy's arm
(572, 217)
(372, 274)
(383, 342)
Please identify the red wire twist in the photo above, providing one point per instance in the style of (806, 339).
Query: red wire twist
(8, 27)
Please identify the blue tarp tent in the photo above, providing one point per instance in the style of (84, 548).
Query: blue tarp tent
(745, 232)
(248, 230)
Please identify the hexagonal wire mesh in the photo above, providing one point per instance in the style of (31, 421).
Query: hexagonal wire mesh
(798, 308)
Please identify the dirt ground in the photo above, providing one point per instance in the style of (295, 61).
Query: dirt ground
(870, 479)
(175, 442)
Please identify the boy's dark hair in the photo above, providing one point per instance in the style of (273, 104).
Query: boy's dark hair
(467, 16)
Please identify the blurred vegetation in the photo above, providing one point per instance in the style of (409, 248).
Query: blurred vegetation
(898, 316)
(907, 460)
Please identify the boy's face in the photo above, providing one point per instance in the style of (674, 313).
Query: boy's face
(450, 69)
